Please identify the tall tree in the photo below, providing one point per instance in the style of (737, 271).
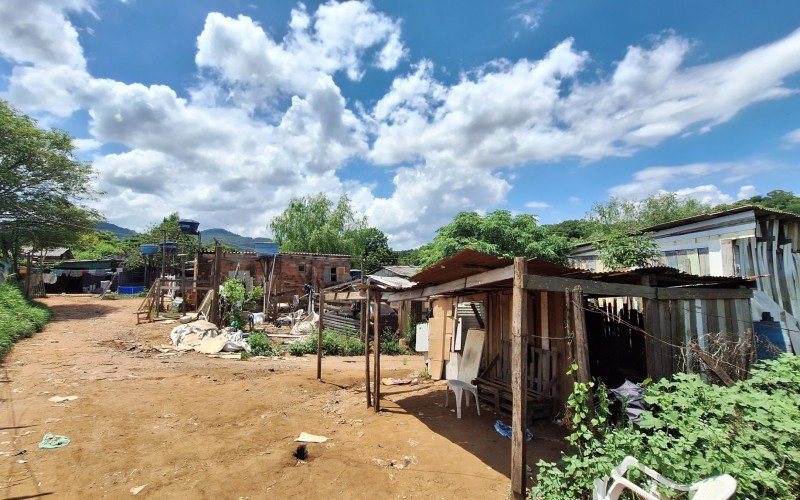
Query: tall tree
(42, 186)
(497, 233)
(778, 199)
(316, 224)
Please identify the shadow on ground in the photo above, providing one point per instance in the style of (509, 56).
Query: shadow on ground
(89, 310)
(476, 434)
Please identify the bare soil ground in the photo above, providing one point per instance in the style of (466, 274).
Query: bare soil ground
(190, 426)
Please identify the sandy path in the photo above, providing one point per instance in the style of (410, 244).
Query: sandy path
(196, 427)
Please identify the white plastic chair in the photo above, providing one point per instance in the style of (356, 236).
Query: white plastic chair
(468, 368)
(715, 488)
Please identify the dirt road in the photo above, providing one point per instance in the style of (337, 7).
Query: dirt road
(190, 426)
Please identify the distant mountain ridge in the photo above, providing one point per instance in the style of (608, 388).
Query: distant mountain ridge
(237, 241)
(118, 231)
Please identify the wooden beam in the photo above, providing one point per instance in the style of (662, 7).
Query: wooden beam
(703, 293)
(319, 333)
(215, 281)
(377, 346)
(519, 377)
(478, 317)
(475, 281)
(334, 296)
(558, 284)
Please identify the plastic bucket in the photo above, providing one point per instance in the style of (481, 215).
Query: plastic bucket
(169, 247)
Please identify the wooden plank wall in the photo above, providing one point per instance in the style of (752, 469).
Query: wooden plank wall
(547, 367)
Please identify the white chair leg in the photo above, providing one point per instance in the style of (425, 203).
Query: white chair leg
(466, 398)
(458, 392)
(477, 402)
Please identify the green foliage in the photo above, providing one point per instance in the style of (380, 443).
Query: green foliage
(776, 200)
(155, 234)
(253, 297)
(390, 343)
(497, 233)
(233, 291)
(315, 224)
(97, 245)
(630, 216)
(41, 186)
(19, 317)
(411, 335)
(333, 344)
(576, 230)
(621, 250)
(411, 257)
(260, 345)
(694, 431)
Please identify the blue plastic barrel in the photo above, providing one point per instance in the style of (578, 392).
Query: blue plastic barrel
(769, 338)
(169, 247)
(266, 249)
(148, 249)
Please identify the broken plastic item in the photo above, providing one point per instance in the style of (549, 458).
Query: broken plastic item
(61, 399)
(505, 431)
(50, 441)
(305, 437)
(137, 489)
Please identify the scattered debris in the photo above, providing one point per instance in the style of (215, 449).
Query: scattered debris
(396, 381)
(505, 431)
(61, 399)
(203, 336)
(396, 464)
(50, 441)
(22, 461)
(137, 489)
(305, 437)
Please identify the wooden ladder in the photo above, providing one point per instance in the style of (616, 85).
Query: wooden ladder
(145, 310)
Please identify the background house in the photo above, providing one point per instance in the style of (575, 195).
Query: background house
(744, 241)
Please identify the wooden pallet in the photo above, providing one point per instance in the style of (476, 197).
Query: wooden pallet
(498, 394)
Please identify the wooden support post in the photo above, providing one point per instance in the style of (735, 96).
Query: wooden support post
(28, 273)
(319, 333)
(183, 284)
(519, 378)
(215, 282)
(580, 342)
(377, 346)
(365, 331)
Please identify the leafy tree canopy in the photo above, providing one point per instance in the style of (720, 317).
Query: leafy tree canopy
(315, 224)
(497, 233)
(632, 216)
(41, 185)
(776, 200)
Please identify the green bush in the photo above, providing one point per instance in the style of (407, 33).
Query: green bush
(260, 345)
(390, 343)
(694, 431)
(19, 317)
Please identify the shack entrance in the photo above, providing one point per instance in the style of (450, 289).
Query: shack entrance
(617, 349)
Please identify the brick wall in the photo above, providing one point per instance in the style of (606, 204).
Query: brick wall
(292, 270)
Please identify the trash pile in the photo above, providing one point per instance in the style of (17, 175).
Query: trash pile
(306, 325)
(204, 337)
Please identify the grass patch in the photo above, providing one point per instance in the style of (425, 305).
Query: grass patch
(19, 317)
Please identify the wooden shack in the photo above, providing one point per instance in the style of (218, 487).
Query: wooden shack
(540, 317)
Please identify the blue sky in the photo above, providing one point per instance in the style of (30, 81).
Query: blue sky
(416, 110)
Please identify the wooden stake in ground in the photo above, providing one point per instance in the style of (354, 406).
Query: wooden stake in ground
(365, 331)
(519, 377)
(377, 346)
(319, 333)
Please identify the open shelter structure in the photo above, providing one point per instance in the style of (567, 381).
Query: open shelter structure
(541, 317)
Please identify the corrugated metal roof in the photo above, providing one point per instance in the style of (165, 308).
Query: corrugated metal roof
(49, 252)
(759, 211)
(406, 271)
(392, 282)
(290, 254)
(470, 262)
